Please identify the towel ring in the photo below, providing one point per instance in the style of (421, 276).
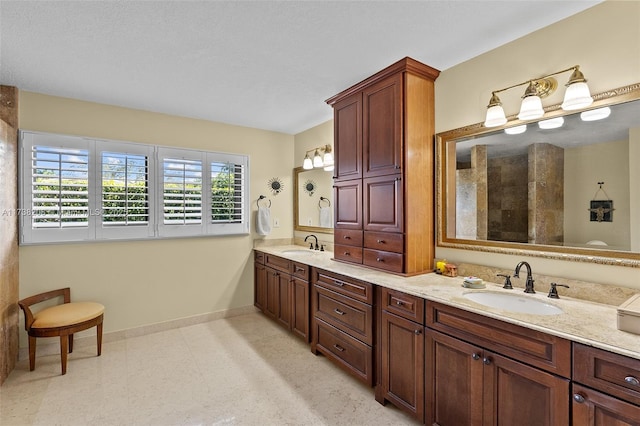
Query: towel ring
(324, 199)
(262, 197)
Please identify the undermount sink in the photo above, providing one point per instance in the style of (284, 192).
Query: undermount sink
(513, 303)
(298, 251)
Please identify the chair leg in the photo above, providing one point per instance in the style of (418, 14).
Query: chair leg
(64, 344)
(70, 343)
(32, 353)
(99, 332)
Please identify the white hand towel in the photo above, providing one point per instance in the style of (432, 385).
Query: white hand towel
(263, 221)
(325, 217)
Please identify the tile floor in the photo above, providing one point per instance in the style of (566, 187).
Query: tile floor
(243, 370)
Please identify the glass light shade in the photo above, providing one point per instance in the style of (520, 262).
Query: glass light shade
(595, 114)
(317, 160)
(531, 108)
(328, 168)
(307, 164)
(577, 96)
(495, 116)
(327, 159)
(516, 130)
(553, 123)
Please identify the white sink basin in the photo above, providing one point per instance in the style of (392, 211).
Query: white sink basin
(298, 251)
(513, 303)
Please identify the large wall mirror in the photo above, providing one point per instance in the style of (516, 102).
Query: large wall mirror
(570, 192)
(313, 200)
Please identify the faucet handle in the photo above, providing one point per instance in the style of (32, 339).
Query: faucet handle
(311, 246)
(507, 281)
(553, 291)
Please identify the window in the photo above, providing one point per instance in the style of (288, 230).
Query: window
(79, 189)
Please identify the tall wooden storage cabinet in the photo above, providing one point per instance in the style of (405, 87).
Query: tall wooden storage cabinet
(384, 175)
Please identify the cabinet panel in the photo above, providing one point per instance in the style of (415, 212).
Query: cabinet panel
(348, 204)
(614, 374)
(356, 289)
(403, 363)
(272, 305)
(278, 263)
(284, 300)
(300, 319)
(348, 138)
(383, 201)
(402, 304)
(347, 253)
(348, 315)
(260, 286)
(593, 408)
(348, 237)
(300, 270)
(385, 241)
(383, 260)
(382, 127)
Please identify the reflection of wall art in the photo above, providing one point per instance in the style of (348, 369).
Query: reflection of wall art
(310, 187)
(276, 185)
(601, 211)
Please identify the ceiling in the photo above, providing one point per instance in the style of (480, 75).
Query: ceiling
(261, 64)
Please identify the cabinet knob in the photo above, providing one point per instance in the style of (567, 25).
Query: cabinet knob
(346, 253)
(397, 167)
(346, 237)
(632, 381)
(417, 332)
(381, 241)
(486, 361)
(578, 398)
(378, 259)
(399, 302)
(475, 356)
(338, 283)
(338, 311)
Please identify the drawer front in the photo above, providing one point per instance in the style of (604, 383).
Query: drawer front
(403, 305)
(258, 257)
(386, 260)
(542, 350)
(348, 315)
(346, 286)
(352, 355)
(347, 237)
(385, 241)
(278, 263)
(300, 270)
(611, 373)
(348, 253)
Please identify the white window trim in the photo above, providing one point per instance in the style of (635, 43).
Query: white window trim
(95, 231)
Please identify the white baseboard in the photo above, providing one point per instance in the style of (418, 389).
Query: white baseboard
(51, 346)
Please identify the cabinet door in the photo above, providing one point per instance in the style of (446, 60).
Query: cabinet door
(383, 201)
(348, 204)
(348, 138)
(403, 364)
(300, 308)
(260, 286)
(593, 408)
(517, 394)
(454, 381)
(284, 300)
(272, 299)
(382, 127)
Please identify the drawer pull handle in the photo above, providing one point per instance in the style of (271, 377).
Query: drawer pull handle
(381, 241)
(346, 253)
(338, 311)
(486, 361)
(338, 347)
(346, 237)
(578, 398)
(475, 356)
(299, 269)
(399, 302)
(379, 259)
(632, 380)
(417, 332)
(338, 283)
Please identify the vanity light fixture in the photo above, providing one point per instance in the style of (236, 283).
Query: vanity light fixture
(553, 123)
(576, 96)
(322, 157)
(595, 114)
(516, 130)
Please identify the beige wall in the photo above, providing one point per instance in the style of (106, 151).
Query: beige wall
(604, 41)
(145, 282)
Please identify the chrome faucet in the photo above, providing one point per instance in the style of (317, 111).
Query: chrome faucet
(528, 287)
(311, 244)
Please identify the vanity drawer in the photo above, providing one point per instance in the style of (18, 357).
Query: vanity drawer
(258, 257)
(351, 354)
(278, 263)
(344, 285)
(383, 260)
(608, 372)
(301, 270)
(344, 313)
(402, 304)
(347, 237)
(385, 241)
(542, 350)
(348, 253)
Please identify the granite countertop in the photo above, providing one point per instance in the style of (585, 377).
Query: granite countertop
(591, 323)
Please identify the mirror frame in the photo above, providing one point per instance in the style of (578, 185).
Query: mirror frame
(444, 150)
(296, 199)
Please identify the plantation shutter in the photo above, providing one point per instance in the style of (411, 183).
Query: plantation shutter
(227, 182)
(125, 190)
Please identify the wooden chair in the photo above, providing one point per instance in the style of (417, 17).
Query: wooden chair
(60, 320)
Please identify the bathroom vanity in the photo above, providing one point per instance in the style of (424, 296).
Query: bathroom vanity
(448, 360)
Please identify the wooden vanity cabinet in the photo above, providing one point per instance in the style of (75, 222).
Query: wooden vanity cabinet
(606, 388)
(384, 167)
(342, 322)
(401, 353)
(482, 371)
(259, 281)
